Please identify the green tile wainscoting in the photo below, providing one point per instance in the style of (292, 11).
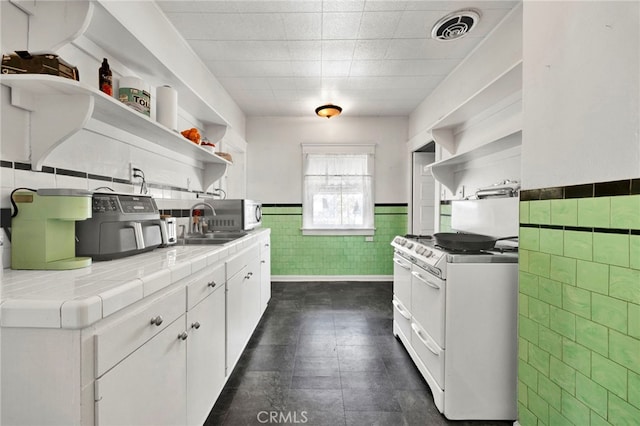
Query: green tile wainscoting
(445, 216)
(579, 307)
(293, 254)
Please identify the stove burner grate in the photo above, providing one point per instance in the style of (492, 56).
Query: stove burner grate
(461, 251)
(418, 237)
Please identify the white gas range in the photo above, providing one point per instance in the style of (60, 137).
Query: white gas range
(456, 314)
(422, 250)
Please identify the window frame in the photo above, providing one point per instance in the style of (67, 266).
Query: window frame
(337, 149)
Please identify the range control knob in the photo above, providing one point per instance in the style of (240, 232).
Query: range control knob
(409, 245)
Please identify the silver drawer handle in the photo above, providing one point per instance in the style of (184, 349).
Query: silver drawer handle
(211, 284)
(402, 265)
(424, 340)
(425, 280)
(263, 261)
(157, 320)
(183, 335)
(195, 325)
(401, 309)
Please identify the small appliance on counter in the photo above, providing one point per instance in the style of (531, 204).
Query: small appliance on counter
(43, 230)
(121, 225)
(236, 215)
(168, 227)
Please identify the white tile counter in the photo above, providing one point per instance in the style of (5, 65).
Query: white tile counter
(78, 298)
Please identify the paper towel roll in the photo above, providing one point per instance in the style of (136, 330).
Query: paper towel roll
(167, 107)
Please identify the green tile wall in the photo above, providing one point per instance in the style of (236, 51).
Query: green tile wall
(295, 254)
(579, 312)
(445, 217)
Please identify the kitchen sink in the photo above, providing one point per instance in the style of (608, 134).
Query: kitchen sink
(215, 237)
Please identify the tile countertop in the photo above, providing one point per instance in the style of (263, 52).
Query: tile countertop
(80, 297)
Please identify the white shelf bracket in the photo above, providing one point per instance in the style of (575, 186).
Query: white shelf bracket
(445, 176)
(54, 120)
(52, 24)
(445, 138)
(212, 172)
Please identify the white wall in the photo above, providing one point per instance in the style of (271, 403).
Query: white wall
(499, 52)
(95, 154)
(581, 84)
(274, 163)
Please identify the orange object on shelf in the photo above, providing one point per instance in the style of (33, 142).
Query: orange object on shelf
(192, 134)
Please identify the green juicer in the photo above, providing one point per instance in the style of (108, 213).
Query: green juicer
(44, 228)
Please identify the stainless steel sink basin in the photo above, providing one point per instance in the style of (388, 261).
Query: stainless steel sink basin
(216, 237)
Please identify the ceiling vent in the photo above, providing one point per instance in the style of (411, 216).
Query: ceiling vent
(455, 25)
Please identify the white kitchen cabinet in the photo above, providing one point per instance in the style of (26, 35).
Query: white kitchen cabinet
(251, 294)
(265, 273)
(149, 387)
(205, 355)
(132, 366)
(243, 301)
(235, 320)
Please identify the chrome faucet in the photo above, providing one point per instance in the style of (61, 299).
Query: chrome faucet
(195, 227)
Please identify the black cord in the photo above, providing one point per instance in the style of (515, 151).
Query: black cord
(13, 203)
(137, 173)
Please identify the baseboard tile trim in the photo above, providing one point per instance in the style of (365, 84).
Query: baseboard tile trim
(305, 278)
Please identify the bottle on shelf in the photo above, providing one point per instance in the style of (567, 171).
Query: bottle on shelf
(105, 78)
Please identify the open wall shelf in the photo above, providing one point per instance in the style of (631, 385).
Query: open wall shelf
(62, 107)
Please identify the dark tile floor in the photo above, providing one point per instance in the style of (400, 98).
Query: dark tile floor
(325, 354)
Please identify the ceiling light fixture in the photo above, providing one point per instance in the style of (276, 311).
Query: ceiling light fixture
(328, 110)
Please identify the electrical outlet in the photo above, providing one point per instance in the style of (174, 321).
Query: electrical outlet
(368, 239)
(131, 167)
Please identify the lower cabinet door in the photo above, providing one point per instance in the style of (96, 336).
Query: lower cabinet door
(205, 356)
(265, 274)
(251, 296)
(235, 310)
(148, 387)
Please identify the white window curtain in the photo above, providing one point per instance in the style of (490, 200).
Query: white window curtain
(338, 189)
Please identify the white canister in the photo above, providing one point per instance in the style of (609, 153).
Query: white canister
(135, 93)
(167, 107)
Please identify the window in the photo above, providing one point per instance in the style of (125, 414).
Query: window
(337, 189)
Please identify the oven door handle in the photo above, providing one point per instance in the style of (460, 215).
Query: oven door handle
(401, 309)
(399, 263)
(425, 280)
(424, 340)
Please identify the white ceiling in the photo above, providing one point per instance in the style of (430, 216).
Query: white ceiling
(285, 58)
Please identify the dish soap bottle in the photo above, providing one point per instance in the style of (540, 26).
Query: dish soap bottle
(105, 78)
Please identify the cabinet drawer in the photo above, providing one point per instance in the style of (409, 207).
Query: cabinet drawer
(242, 259)
(204, 283)
(402, 317)
(427, 303)
(431, 355)
(133, 328)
